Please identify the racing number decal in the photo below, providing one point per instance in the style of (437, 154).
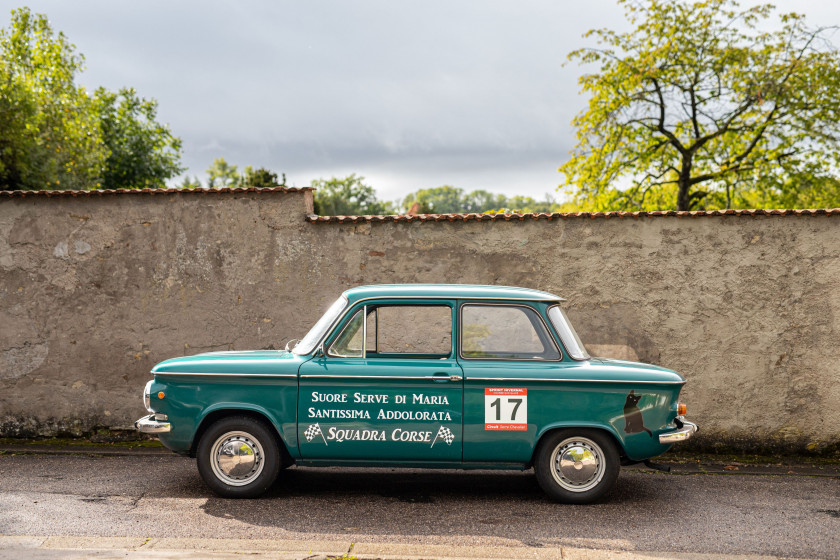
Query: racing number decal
(505, 409)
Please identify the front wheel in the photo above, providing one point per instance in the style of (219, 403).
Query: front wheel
(577, 466)
(238, 457)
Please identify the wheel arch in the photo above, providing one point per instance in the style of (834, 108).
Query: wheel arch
(224, 410)
(553, 428)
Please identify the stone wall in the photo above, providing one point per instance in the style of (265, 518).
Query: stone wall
(95, 289)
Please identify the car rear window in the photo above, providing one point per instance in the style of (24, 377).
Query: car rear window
(506, 332)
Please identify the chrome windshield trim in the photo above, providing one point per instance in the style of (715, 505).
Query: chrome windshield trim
(564, 380)
(329, 328)
(576, 338)
(218, 374)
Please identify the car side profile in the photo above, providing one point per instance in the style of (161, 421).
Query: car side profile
(420, 375)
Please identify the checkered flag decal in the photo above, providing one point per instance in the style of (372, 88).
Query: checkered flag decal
(445, 434)
(313, 431)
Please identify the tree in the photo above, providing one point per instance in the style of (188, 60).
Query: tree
(143, 152)
(190, 183)
(222, 175)
(49, 128)
(447, 199)
(698, 100)
(347, 197)
(437, 200)
(262, 178)
(54, 135)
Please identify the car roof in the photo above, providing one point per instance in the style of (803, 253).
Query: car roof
(448, 291)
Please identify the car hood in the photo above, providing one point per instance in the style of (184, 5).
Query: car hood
(247, 362)
(646, 372)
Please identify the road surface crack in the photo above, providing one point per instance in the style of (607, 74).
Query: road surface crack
(137, 499)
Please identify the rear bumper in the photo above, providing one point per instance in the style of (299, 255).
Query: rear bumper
(151, 425)
(684, 432)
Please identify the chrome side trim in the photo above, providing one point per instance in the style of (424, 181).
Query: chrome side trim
(205, 374)
(558, 380)
(687, 430)
(148, 425)
(326, 376)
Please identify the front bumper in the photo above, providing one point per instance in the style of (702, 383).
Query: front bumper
(151, 425)
(686, 430)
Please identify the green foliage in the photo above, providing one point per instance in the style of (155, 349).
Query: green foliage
(438, 200)
(221, 174)
(348, 196)
(49, 128)
(262, 178)
(802, 192)
(698, 103)
(447, 199)
(54, 135)
(143, 152)
(190, 183)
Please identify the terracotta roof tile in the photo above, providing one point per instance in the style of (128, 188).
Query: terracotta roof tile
(104, 192)
(562, 216)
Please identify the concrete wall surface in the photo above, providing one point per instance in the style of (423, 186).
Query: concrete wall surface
(94, 290)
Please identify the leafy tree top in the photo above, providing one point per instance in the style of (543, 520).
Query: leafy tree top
(347, 196)
(699, 99)
(56, 135)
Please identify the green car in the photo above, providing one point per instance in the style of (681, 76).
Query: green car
(420, 375)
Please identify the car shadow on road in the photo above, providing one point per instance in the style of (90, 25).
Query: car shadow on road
(359, 502)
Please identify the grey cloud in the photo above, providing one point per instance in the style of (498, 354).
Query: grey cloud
(415, 91)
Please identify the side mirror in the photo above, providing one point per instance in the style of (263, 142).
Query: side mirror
(319, 352)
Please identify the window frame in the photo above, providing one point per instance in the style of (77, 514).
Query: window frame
(548, 332)
(363, 305)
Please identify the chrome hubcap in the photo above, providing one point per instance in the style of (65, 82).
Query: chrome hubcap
(577, 464)
(237, 458)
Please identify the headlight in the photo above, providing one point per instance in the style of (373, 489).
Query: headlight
(147, 396)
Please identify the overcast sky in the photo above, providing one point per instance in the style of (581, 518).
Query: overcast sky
(408, 94)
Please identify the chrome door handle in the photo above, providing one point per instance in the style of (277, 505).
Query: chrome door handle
(444, 377)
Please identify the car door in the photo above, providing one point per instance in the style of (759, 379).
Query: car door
(503, 350)
(387, 387)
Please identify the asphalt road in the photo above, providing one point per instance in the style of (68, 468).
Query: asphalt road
(163, 496)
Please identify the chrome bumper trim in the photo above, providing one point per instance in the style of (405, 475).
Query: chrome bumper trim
(687, 430)
(148, 425)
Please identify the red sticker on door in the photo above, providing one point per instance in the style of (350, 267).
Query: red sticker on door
(505, 409)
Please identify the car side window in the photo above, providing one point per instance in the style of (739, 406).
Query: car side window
(349, 343)
(505, 332)
(397, 331)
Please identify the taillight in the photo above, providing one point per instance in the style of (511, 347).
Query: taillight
(681, 409)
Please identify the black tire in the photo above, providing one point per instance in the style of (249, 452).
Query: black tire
(577, 466)
(229, 447)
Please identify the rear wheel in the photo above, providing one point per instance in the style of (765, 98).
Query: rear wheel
(577, 466)
(238, 457)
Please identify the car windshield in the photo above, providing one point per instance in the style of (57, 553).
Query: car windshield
(309, 341)
(567, 334)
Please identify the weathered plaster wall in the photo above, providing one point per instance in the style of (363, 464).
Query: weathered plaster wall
(95, 290)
